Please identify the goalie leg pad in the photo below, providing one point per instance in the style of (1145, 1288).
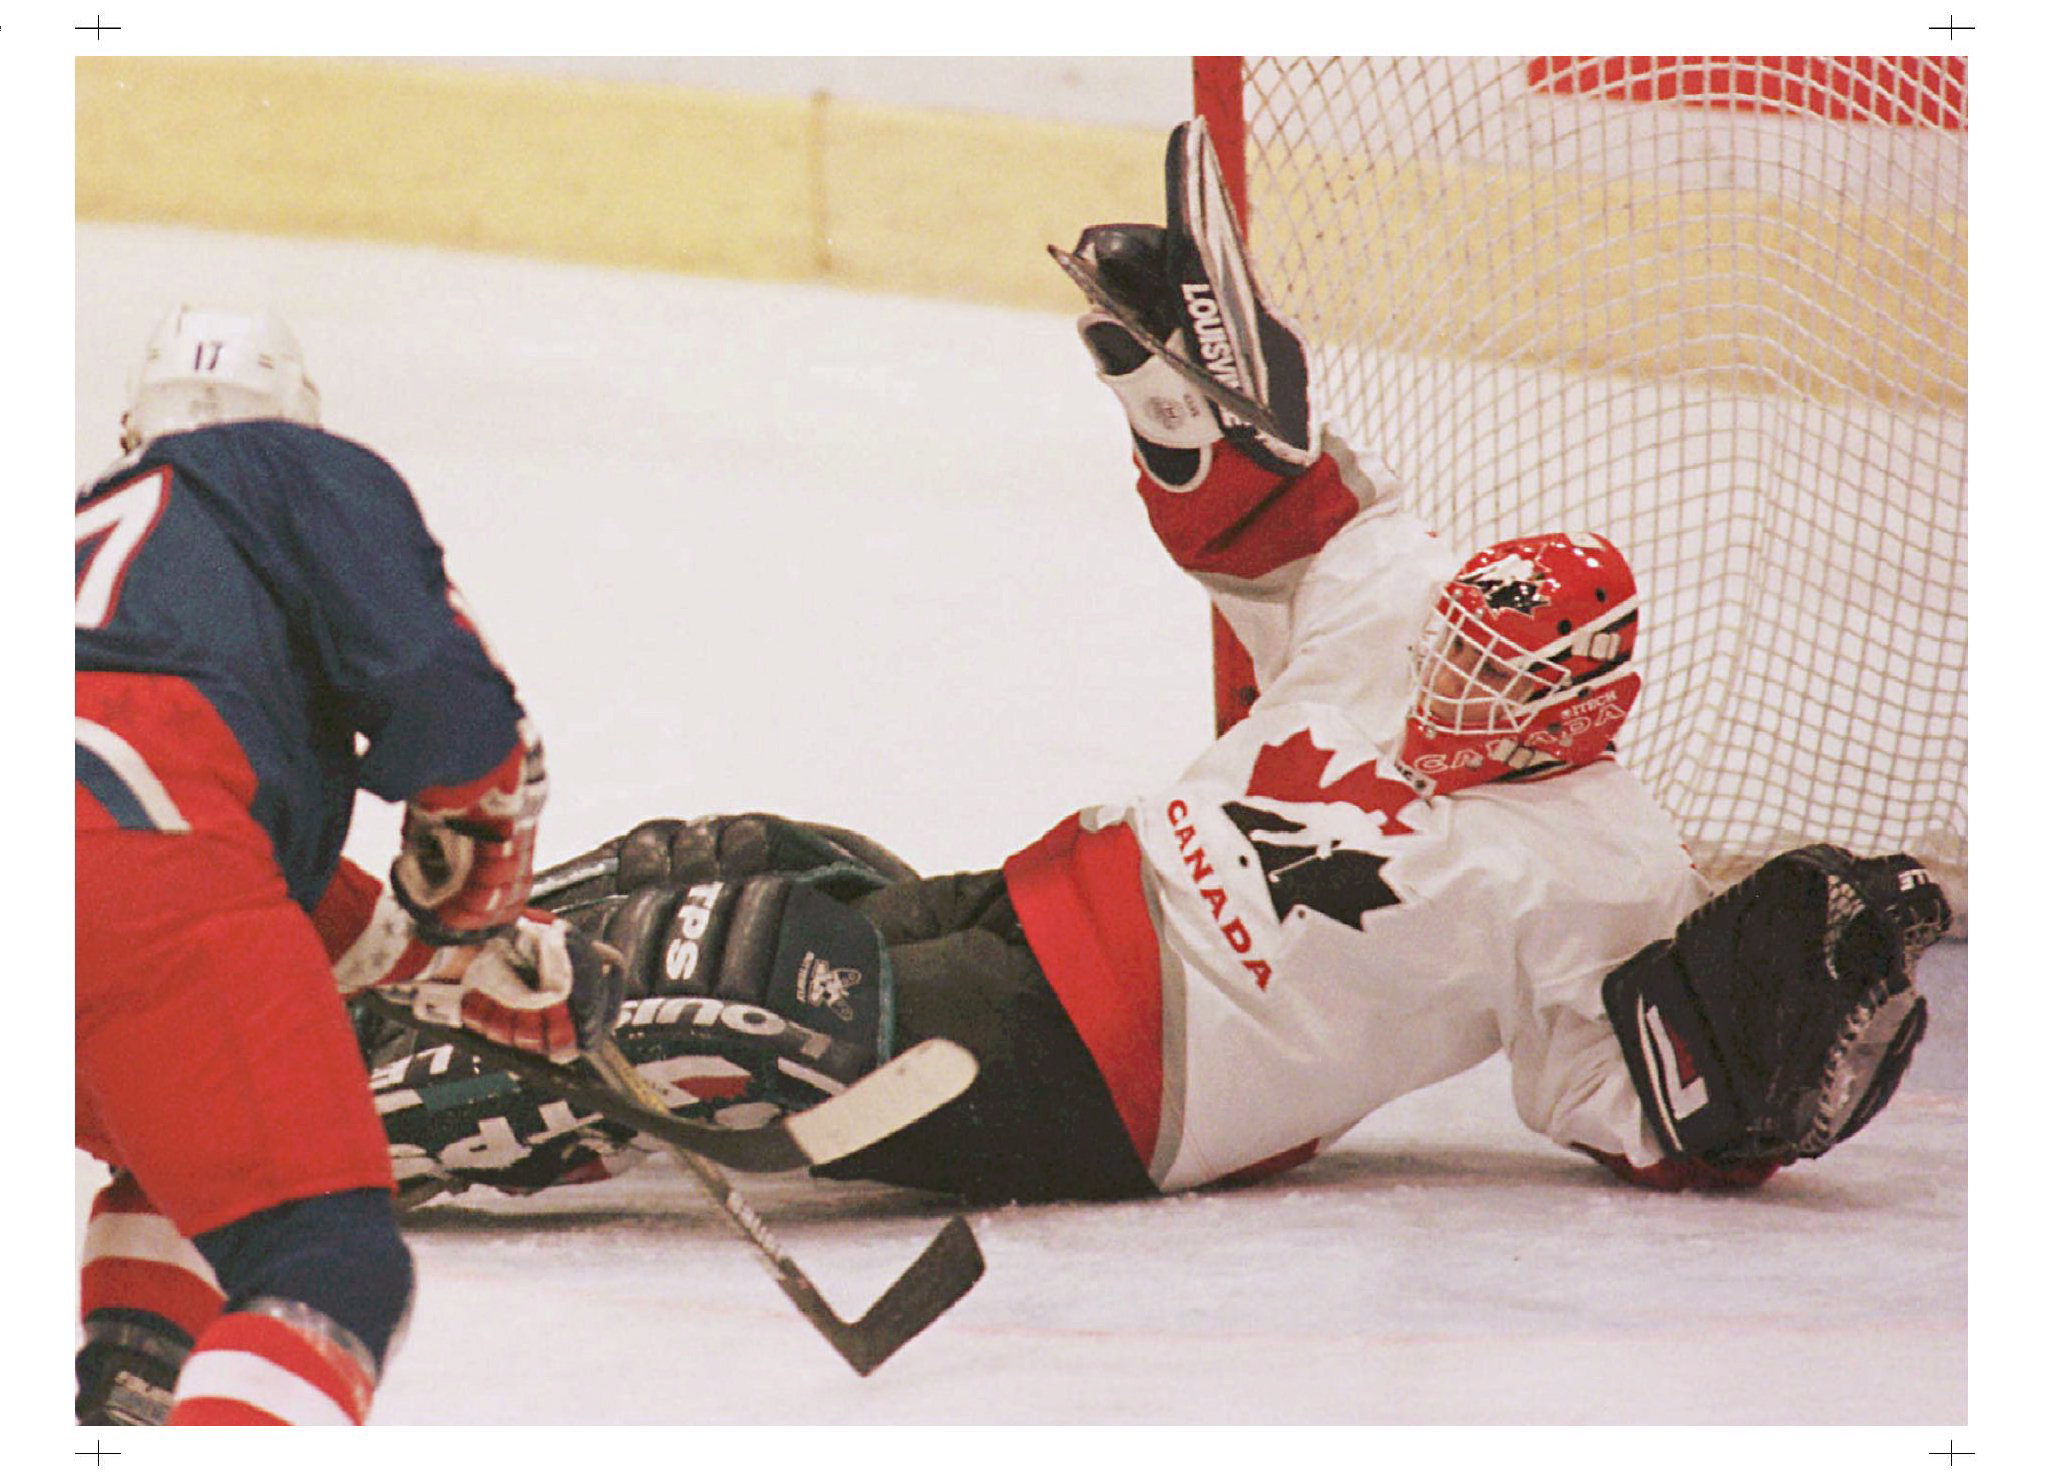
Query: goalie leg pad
(1782, 1014)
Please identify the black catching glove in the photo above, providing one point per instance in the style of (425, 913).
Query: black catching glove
(1782, 1015)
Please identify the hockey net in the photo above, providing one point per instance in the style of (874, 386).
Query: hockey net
(1713, 308)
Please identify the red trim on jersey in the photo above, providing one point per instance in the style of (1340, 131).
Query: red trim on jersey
(182, 739)
(1079, 897)
(1271, 1166)
(467, 799)
(345, 913)
(1244, 521)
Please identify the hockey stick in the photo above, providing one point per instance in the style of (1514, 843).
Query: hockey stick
(947, 1268)
(905, 1089)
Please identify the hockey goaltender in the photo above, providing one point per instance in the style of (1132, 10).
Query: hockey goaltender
(1419, 849)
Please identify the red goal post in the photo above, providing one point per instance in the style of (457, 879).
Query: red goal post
(1713, 307)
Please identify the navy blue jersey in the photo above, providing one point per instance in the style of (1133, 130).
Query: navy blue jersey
(285, 573)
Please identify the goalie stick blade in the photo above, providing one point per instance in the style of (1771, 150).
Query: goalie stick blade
(949, 1266)
(904, 1090)
(1240, 405)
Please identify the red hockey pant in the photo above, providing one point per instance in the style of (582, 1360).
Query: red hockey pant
(215, 1059)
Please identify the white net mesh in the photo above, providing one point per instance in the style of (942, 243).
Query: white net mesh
(1717, 314)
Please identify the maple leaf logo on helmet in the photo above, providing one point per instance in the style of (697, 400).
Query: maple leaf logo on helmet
(1514, 582)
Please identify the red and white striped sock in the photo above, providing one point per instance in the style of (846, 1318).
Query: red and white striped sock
(135, 1260)
(276, 1363)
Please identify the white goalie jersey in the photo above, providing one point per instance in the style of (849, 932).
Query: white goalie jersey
(1289, 935)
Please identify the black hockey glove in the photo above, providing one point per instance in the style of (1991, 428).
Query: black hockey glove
(1781, 1016)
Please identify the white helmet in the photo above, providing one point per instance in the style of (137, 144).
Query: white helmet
(206, 365)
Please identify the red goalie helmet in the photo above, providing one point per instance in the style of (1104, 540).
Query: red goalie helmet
(1525, 666)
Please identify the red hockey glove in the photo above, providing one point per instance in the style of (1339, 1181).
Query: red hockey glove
(544, 988)
(466, 860)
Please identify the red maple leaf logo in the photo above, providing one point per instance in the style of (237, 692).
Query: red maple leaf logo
(1293, 771)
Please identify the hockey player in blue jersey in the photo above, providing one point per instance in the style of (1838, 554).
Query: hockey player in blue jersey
(264, 625)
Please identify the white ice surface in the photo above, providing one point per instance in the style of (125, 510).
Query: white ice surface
(875, 561)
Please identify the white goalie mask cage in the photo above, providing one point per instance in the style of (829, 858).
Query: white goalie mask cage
(1471, 679)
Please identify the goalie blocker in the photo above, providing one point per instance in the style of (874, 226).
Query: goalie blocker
(1180, 333)
(1782, 1015)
